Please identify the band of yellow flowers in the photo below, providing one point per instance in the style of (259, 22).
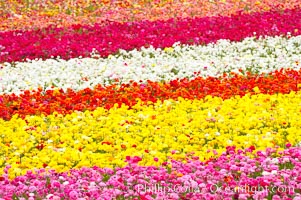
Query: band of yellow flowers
(199, 129)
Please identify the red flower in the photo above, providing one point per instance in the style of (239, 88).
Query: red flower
(108, 143)
(227, 179)
(40, 146)
(252, 148)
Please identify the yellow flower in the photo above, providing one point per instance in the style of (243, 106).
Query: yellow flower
(168, 49)
(256, 90)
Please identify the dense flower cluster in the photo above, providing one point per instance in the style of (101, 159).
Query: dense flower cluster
(271, 173)
(177, 62)
(148, 104)
(40, 14)
(80, 40)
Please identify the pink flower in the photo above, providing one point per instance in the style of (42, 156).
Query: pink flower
(276, 197)
(73, 194)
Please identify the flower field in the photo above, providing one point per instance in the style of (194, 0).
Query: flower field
(165, 99)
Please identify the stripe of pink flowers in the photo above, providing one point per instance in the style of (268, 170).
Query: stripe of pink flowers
(79, 40)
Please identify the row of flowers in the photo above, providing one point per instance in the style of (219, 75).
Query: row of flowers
(56, 100)
(271, 174)
(157, 132)
(80, 40)
(177, 62)
(40, 14)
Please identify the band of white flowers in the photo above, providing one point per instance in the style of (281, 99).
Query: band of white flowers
(261, 55)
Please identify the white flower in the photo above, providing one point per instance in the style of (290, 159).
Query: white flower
(17, 154)
(49, 196)
(66, 183)
(286, 159)
(84, 137)
(275, 161)
(265, 173)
